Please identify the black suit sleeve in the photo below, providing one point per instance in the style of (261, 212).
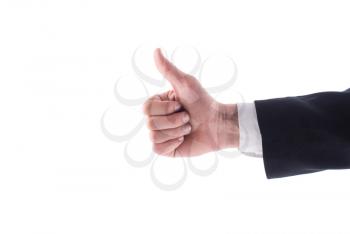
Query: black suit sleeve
(305, 134)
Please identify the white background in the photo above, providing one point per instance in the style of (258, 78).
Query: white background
(59, 61)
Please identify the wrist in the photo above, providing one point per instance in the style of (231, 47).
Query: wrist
(228, 129)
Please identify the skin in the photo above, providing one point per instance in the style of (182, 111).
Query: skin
(187, 121)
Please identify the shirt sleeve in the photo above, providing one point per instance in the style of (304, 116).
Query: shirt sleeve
(250, 142)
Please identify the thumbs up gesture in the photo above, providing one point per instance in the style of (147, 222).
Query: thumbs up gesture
(187, 121)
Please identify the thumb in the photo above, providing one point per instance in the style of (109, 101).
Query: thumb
(169, 70)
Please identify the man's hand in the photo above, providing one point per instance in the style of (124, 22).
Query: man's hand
(187, 121)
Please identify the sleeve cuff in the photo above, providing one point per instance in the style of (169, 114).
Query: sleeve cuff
(250, 142)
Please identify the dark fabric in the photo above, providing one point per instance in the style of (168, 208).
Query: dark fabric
(305, 134)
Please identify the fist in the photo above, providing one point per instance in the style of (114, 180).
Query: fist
(187, 121)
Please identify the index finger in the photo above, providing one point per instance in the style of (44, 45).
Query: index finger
(157, 107)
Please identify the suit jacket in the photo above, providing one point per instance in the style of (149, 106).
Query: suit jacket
(305, 134)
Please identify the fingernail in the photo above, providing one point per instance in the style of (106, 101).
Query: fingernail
(186, 118)
(181, 139)
(188, 128)
(177, 106)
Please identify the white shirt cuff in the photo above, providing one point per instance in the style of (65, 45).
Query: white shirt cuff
(249, 132)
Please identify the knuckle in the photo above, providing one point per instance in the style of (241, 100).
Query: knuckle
(191, 81)
(171, 95)
(153, 136)
(157, 149)
(189, 77)
(146, 107)
(150, 123)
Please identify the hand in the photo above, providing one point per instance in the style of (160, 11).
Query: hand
(187, 121)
